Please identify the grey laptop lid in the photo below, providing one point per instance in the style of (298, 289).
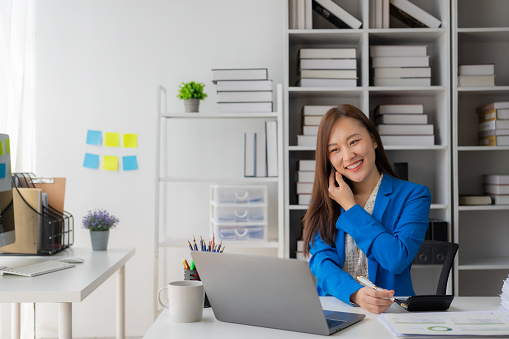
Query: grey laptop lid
(265, 291)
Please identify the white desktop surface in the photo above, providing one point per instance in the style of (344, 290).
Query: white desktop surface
(370, 327)
(68, 285)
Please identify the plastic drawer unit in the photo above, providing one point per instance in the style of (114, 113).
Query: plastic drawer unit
(238, 212)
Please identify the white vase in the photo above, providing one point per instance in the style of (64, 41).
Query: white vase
(99, 240)
(192, 105)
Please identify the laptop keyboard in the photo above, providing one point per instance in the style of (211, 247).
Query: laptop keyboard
(334, 323)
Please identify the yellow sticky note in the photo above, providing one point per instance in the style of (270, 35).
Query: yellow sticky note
(110, 163)
(130, 140)
(8, 146)
(112, 139)
(1, 147)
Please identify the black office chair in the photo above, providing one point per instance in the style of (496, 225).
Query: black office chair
(431, 267)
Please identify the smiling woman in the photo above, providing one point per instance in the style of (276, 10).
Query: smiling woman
(362, 220)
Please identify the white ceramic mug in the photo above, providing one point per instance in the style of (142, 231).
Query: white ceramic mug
(184, 300)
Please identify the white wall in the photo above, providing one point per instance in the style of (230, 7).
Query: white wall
(98, 65)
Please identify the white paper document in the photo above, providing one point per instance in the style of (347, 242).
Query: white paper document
(483, 324)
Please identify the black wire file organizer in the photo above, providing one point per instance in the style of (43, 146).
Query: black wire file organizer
(55, 227)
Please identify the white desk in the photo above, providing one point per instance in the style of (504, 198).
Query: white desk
(66, 286)
(368, 328)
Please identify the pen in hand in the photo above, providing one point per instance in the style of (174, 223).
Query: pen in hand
(368, 283)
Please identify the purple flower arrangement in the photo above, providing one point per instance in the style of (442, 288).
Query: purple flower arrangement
(99, 220)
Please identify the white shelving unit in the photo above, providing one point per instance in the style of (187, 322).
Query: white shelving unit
(480, 34)
(195, 150)
(427, 165)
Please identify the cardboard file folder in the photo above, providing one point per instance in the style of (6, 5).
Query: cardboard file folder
(27, 222)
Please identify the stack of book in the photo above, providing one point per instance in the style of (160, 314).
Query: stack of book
(299, 254)
(400, 65)
(246, 90)
(480, 75)
(494, 124)
(497, 186)
(403, 124)
(327, 67)
(412, 15)
(473, 200)
(305, 179)
(311, 117)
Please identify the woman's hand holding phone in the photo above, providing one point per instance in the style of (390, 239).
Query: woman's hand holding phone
(340, 191)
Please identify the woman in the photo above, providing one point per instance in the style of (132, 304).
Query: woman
(362, 220)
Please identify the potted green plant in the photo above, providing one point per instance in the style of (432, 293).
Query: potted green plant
(191, 92)
(99, 222)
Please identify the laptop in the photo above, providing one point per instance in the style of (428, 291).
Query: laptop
(267, 292)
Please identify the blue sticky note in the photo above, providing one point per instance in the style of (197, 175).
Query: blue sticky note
(130, 163)
(91, 161)
(94, 137)
(2, 171)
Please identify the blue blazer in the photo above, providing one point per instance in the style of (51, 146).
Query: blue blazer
(390, 238)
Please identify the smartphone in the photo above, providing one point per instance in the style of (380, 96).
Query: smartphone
(335, 171)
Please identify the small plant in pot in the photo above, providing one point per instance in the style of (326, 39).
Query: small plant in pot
(191, 92)
(99, 222)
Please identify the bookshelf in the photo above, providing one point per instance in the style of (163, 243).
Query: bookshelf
(211, 151)
(428, 165)
(480, 34)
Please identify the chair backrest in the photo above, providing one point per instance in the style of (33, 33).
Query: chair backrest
(431, 267)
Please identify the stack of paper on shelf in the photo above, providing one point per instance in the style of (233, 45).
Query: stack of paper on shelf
(335, 14)
(478, 75)
(327, 67)
(412, 15)
(400, 65)
(246, 90)
(260, 152)
(403, 124)
(494, 124)
(305, 175)
(311, 117)
(497, 186)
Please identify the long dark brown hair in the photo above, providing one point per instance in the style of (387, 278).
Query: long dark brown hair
(323, 211)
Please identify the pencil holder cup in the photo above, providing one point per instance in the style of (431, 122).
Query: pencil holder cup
(193, 275)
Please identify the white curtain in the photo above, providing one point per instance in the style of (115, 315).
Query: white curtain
(17, 71)
(17, 111)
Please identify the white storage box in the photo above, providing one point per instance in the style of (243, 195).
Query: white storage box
(239, 212)
(226, 232)
(236, 213)
(223, 194)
